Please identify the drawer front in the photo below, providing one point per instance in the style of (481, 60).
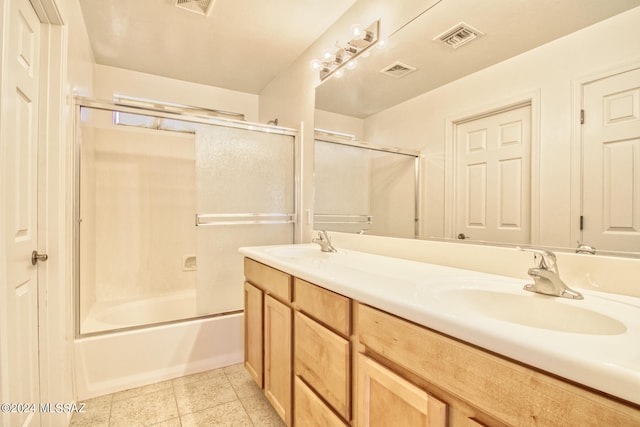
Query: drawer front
(310, 410)
(490, 383)
(271, 281)
(334, 310)
(322, 359)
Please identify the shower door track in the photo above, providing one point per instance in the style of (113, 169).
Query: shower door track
(184, 114)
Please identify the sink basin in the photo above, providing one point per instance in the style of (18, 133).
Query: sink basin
(533, 310)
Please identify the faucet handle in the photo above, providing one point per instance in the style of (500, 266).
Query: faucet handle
(323, 235)
(547, 258)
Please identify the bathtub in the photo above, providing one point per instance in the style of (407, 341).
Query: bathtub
(117, 361)
(109, 315)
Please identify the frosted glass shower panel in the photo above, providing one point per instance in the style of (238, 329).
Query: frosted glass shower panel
(364, 190)
(243, 171)
(243, 178)
(342, 190)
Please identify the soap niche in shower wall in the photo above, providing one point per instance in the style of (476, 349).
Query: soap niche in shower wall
(189, 262)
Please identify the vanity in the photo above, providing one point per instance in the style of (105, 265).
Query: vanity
(353, 338)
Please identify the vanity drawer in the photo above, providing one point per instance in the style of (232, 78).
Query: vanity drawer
(322, 360)
(271, 281)
(329, 308)
(310, 410)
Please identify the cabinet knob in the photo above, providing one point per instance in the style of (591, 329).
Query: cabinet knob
(35, 257)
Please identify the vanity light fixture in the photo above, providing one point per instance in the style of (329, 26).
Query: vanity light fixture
(201, 7)
(333, 60)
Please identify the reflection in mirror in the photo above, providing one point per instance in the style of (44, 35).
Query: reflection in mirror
(556, 57)
(364, 190)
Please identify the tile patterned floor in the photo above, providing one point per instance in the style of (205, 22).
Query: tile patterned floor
(221, 397)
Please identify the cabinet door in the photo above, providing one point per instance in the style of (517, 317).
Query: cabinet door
(385, 399)
(277, 356)
(253, 332)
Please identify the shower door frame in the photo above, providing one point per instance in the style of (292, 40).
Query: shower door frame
(184, 113)
(349, 140)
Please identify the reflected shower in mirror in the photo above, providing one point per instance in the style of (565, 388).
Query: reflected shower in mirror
(363, 189)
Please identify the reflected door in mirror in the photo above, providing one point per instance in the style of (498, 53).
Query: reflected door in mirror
(611, 163)
(493, 177)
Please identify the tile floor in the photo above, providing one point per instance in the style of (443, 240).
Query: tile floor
(221, 397)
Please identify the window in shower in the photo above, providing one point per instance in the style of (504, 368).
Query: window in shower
(162, 212)
(359, 189)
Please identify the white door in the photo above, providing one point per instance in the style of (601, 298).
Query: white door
(493, 180)
(611, 163)
(19, 138)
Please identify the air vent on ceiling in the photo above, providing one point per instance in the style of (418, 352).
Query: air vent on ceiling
(398, 69)
(459, 35)
(201, 7)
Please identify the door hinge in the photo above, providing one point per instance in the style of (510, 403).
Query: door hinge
(581, 117)
(581, 222)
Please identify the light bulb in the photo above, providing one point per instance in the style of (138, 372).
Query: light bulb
(357, 30)
(316, 64)
(339, 73)
(328, 55)
(352, 64)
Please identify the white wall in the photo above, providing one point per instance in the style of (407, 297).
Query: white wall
(550, 71)
(327, 120)
(113, 80)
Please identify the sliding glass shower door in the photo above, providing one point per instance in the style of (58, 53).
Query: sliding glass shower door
(163, 204)
(245, 197)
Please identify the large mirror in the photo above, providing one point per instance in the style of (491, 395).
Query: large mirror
(495, 112)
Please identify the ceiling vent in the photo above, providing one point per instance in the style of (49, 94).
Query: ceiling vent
(459, 35)
(201, 7)
(398, 69)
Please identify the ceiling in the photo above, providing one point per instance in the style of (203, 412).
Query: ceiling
(510, 27)
(242, 45)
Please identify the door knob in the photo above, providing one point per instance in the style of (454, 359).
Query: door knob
(35, 257)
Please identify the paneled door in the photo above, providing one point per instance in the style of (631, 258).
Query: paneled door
(19, 138)
(611, 162)
(493, 179)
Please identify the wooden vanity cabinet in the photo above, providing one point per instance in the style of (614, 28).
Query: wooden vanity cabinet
(268, 333)
(481, 388)
(326, 360)
(322, 356)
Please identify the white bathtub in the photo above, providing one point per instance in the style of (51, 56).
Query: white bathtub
(118, 361)
(109, 315)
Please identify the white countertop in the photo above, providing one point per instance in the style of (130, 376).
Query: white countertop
(461, 303)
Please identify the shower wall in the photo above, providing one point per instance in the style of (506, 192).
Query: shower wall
(145, 200)
(137, 210)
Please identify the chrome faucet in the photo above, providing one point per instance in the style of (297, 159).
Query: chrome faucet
(324, 241)
(583, 248)
(546, 278)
